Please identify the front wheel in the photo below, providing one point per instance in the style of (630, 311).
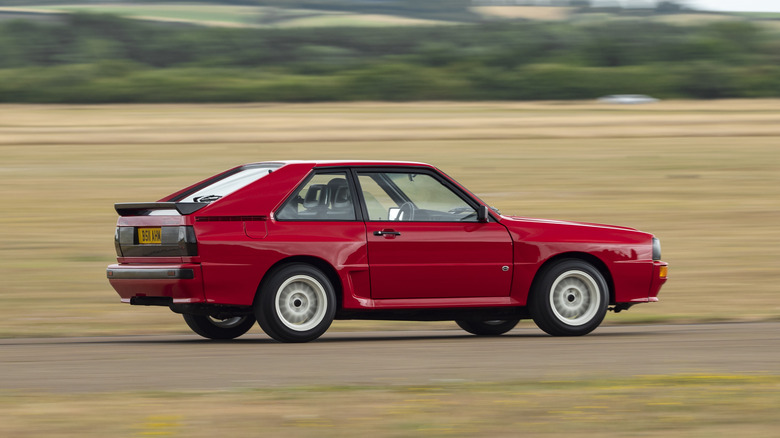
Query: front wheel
(488, 328)
(214, 328)
(296, 304)
(569, 299)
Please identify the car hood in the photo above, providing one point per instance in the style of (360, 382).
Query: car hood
(507, 220)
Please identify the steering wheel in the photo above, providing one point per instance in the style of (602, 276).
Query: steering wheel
(406, 212)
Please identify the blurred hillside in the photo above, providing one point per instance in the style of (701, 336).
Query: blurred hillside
(434, 50)
(259, 13)
(324, 13)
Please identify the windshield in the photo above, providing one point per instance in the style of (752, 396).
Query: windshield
(230, 183)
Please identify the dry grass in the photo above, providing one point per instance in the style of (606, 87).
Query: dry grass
(683, 406)
(694, 19)
(541, 13)
(703, 176)
(358, 20)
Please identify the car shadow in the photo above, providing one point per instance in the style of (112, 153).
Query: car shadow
(338, 337)
(346, 338)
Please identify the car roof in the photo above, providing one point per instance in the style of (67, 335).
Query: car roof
(338, 163)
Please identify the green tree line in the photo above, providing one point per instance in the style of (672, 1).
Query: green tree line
(99, 58)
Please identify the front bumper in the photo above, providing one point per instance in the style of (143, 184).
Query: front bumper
(135, 283)
(660, 270)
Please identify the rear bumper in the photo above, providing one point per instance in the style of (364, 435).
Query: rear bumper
(136, 283)
(150, 274)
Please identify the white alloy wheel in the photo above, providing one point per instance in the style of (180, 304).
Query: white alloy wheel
(301, 303)
(575, 298)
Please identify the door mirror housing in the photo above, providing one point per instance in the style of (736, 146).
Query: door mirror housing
(483, 213)
(392, 213)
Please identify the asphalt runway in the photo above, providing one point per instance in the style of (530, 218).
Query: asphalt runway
(188, 362)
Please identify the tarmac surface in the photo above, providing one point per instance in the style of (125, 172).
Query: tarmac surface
(188, 362)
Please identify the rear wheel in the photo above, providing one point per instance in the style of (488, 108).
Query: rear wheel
(488, 328)
(214, 328)
(569, 299)
(296, 304)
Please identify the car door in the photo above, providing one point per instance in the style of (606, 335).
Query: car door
(424, 239)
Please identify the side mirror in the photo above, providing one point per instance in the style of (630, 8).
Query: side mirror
(482, 213)
(392, 213)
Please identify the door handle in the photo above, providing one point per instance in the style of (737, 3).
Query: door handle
(387, 233)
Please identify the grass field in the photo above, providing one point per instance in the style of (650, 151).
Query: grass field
(702, 176)
(693, 18)
(760, 15)
(357, 20)
(225, 15)
(542, 13)
(677, 405)
(222, 15)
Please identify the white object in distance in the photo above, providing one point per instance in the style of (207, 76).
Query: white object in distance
(627, 98)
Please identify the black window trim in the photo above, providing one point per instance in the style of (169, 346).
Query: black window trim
(438, 176)
(223, 175)
(345, 170)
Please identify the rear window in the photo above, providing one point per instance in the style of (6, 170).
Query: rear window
(229, 183)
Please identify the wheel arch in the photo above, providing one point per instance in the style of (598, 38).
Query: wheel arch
(586, 257)
(318, 263)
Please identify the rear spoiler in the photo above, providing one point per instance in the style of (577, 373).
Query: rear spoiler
(143, 208)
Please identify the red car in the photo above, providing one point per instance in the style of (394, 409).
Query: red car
(294, 245)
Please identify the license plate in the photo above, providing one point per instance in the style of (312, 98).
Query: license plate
(149, 236)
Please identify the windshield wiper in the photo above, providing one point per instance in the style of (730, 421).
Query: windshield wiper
(207, 198)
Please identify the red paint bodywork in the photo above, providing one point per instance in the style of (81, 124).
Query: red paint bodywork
(431, 265)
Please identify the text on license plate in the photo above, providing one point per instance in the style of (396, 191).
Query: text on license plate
(148, 236)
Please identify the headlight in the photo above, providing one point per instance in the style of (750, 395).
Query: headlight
(656, 249)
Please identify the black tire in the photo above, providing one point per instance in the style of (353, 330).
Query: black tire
(297, 303)
(212, 328)
(488, 328)
(569, 298)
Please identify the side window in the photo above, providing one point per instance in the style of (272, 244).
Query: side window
(325, 197)
(378, 202)
(403, 196)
